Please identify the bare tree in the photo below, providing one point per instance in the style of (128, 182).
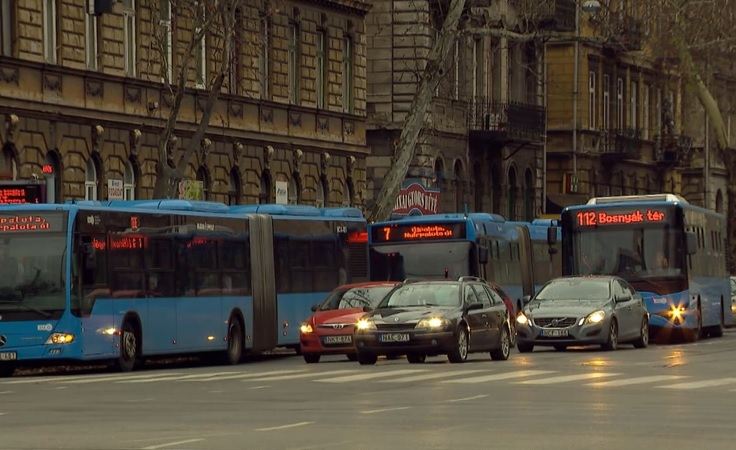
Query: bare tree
(206, 38)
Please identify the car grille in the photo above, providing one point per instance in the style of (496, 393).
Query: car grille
(555, 322)
(395, 326)
(337, 326)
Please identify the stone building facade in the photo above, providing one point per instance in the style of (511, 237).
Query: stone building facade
(83, 99)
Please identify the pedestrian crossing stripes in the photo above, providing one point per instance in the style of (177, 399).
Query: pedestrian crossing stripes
(416, 374)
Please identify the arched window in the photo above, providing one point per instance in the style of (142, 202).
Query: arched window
(719, 201)
(204, 177)
(265, 195)
(294, 188)
(439, 172)
(512, 194)
(8, 164)
(90, 184)
(54, 183)
(459, 184)
(528, 195)
(347, 199)
(129, 180)
(321, 193)
(234, 191)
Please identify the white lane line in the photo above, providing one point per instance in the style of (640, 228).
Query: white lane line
(61, 387)
(183, 377)
(639, 380)
(368, 376)
(31, 380)
(300, 375)
(114, 378)
(700, 384)
(564, 379)
(476, 397)
(6, 392)
(283, 427)
(240, 376)
(171, 444)
(375, 411)
(258, 387)
(429, 376)
(499, 376)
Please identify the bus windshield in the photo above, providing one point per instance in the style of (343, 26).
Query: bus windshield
(32, 279)
(420, 260)
(632, 253)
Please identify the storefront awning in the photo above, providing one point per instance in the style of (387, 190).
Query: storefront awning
(557, 202)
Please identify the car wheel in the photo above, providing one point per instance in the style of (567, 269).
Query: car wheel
(612, 343)
(643, 340)
(525, 348)
(459, 353)
(311, 358)
(366, 359)
(502, 354)
(416, 359)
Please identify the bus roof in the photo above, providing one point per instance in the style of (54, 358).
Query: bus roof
(669, 198)
(449, 217)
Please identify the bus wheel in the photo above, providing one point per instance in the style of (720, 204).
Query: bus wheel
(234, 352)
(129, 347)
(7, 370)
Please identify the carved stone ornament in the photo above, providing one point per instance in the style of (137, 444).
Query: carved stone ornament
(350, 166)
(204, 148)
(11, 127)
(323, 124)
(97, 137)
(52, 83)
(268, 152)
(93, 88)
(348, 128)
(267, 115)
(298, 158)
(325, 162)
(132, 94)
(237, 152)
(295, 119)
(135, 141)
(236, 109)
(171, 147)
(10, 75)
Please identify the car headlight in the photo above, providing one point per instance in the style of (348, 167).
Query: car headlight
(593, 318)
(522, 319)
(365, 324)
(60, 338)
(434, 322)
(306, 328)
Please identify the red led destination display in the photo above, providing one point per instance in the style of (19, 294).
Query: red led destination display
(620, 217)
(11, 194)
(419, 232)
(32, 222)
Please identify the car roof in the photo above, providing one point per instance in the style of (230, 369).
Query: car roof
(588, 277)
(368, 284)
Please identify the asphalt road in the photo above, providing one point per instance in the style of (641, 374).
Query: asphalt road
(663, 397)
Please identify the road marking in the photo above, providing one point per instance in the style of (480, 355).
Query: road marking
(258, 387)
(566, 378)
(429, 376)
(170, 444)
(368, 376)
(374, 411)
(6, 392)
(60, 388)
(300, 375)
(239, 376)
(639, 380)
(283, 427)
(476, 397)
(114, 378)
(183, 377)
(30, 380)
(700, 384)
(499, 376)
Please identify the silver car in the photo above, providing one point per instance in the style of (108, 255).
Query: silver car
(583, 310)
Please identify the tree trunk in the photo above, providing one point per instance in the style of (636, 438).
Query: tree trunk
(414, 121)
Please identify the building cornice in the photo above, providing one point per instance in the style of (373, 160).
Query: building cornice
(351, 6)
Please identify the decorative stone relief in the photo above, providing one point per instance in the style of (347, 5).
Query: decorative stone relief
(295, 119)
(267, 115)
(170, 148)
(236, 109)
(97, 138)
(52, 83)
(11, 127)
(237, 152)
(297, 159)
(135, 141)
(325, 162)
(323, 124)
(350, 166)
(204, 149)
(348, 128)
(93, 88)
(132, 94)
(268, 152)
(10, 75)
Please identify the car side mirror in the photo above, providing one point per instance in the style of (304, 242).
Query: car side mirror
(691, 242)
(483, 255)
(315, 308)
(474, 306)
(552, 235)
(525, 300)
(622, 298)
(367, 309)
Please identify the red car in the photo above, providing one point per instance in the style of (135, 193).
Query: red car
(330, 329)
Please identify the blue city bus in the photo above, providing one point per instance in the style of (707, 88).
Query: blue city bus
(518, 256)
(672, 252)
(121, 281)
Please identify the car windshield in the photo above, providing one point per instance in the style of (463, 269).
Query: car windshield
(424, 294)
(356, 297)
(575, 289)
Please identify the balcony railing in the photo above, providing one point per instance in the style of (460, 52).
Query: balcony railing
(672, 149)
(622, 143)
(511, 121)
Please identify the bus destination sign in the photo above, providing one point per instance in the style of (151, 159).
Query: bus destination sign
(628, 217)
(418, 232)
(11, 194)
(31, 222)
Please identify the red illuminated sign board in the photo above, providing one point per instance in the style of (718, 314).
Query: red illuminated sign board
(12, 194)
(628, 217)
(31, 222)
(418, 232)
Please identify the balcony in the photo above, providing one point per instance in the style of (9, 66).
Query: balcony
(620, 144)
(672, 149)
(552, 15)
(506, 122)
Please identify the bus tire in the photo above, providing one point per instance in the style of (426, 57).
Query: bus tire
(235, 339)
(130, 345)
(7, 370)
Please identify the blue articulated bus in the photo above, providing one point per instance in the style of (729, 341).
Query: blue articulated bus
(121, 281)
(672, 252)
(517, 256)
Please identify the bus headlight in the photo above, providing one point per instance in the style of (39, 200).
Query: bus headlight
(60, 338)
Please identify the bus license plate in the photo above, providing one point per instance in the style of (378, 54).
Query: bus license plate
(338, 339)
(554, 333)
(394, 337)
(8, 356)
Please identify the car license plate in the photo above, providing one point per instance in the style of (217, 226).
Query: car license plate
(8, 356)
(554, 333)
(394, 337)
(337, 340)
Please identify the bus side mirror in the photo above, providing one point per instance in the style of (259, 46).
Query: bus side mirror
(90, 256)
(691, 242)
(483, 255)
(552, 235)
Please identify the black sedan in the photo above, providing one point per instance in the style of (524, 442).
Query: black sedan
(429, 318)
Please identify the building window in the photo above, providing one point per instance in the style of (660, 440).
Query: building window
(265, 196)
(54, 183)
(200, 51)
(320, 201)
(293, 193)
(347, 197)
(129, 182)
(658, 111)
(634, 104)
(322, 40)
(645, 111)
(9, 169)
(264, 60)
(90, 23)
(237, 36)
(347, 74)
(129, 49)
(90, 185)
(606, 102)
(294, 63)
(7, 20)
(478, 68)
(528, 195)
(204, 177)
(592, 104)
(167, 41)
(49, 31)
(456, 68)
(235, 189)
(620, 119)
